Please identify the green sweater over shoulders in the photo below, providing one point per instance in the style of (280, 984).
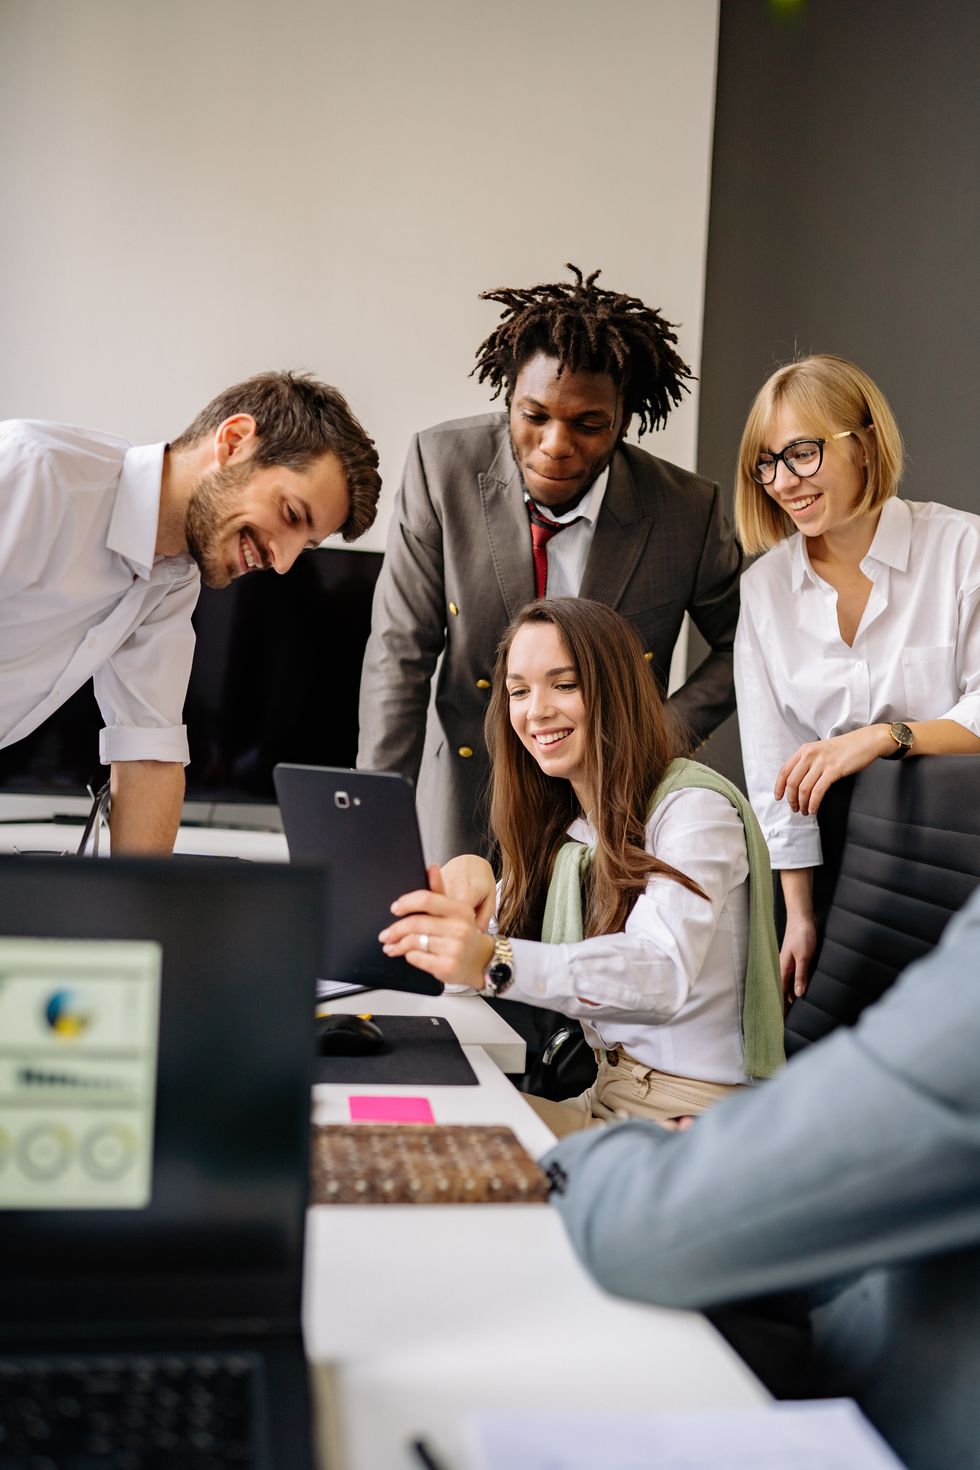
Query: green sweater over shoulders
(762, 1005)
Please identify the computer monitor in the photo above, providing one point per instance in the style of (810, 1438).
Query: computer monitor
(221, 1231)
(276, 675)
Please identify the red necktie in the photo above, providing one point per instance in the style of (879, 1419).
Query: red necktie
(542, 531)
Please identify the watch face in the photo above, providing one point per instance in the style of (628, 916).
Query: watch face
(903, 738)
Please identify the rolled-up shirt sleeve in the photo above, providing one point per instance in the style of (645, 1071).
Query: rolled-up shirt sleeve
(966, 710)
(142, 687)
(646, 972)
(769, 737)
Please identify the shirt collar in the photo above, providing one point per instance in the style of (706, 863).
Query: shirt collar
(889, 548)
(586, 510)
(893, 536)
(133, 527)
(801, 563)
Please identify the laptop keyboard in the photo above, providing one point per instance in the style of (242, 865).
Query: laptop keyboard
(116, 1413)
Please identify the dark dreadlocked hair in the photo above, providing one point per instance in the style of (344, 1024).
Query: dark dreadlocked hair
(588, 329)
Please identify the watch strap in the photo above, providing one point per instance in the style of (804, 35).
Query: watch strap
(499, 974)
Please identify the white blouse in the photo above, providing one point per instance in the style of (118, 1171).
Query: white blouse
(668, 989)
(915, 656)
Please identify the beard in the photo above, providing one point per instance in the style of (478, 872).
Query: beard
(212, 506)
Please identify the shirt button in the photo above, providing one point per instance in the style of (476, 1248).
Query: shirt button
(465, 751)
(454, 609)
(483, 683)
(859, 664)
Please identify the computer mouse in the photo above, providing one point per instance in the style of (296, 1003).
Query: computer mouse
(348, 1036)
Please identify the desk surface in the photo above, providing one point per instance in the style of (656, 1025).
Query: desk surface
(416, 1316)
(419, 1315)
(23, 834)
(426, 1315)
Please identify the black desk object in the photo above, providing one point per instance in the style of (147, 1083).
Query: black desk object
(420, 1051)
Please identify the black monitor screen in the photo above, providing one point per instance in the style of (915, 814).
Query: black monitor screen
(275, 677)
(221, 1225)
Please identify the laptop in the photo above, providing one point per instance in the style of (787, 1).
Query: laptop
(360, 827)
(155, 1069)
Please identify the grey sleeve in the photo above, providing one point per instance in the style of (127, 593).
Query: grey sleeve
(408, 631)
(708, 696)
(862, 1153)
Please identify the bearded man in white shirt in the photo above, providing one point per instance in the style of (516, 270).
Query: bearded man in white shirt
(103, 546)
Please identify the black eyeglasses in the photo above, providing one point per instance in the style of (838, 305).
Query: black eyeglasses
(802, 458)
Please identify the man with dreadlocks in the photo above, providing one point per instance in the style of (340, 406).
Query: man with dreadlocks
(546, 497)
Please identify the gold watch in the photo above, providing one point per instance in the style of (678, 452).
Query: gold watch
(903, 738)
(499, 974)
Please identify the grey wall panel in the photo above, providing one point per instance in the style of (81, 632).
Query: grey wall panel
(844, 218)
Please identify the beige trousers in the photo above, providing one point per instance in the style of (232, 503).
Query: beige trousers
(628, 1089)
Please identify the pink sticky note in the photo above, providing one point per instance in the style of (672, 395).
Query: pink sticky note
(390, 1110)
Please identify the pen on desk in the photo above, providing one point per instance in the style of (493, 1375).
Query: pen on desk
(424, 1455)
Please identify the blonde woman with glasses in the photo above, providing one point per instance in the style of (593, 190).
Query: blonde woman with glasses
(859, 635)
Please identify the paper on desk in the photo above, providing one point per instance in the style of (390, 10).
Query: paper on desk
(828, 1434)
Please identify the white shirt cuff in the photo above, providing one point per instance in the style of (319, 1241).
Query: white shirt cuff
(966, 713)
(534, 966)
(134, 743)
(794, 849)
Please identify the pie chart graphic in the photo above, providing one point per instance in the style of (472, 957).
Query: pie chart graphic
(66, 1013)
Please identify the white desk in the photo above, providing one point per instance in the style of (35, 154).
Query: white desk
(419, 1315)
(240, 842)
(416, 1316)
(24, 835)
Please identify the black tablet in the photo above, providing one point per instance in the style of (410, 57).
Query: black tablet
(361, 828)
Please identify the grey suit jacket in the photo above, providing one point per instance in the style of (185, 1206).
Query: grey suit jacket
(862, 1156)
(458, 567)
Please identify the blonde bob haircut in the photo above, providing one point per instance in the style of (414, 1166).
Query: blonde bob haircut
(826, 395)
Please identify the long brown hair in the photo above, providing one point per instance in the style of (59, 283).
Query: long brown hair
(631, 736)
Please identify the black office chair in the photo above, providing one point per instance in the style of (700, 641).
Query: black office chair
(910, 859)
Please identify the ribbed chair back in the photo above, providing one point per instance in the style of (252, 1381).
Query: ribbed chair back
(910, 859)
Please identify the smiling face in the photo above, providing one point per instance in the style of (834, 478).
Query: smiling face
(823, 502)
(242, 518)
(547, 712)
(564, 430)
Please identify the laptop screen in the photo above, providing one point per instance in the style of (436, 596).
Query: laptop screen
(154, 1096)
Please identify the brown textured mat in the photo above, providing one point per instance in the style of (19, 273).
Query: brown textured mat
(419, 1164)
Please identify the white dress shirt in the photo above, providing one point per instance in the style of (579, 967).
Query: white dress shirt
(568, 553)
(915, 656)
(82, 595)
(669, 989)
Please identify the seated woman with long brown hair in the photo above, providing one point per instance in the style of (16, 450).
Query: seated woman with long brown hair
(635, 891)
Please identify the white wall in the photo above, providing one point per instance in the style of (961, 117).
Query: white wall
(194, 190)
